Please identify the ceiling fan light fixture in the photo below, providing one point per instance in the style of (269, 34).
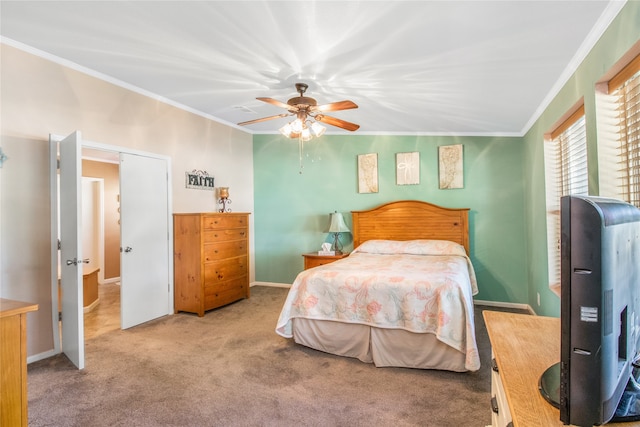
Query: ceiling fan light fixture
(308, 114)
(317, 129)
(306, 134)
(305, 109)
(286, 130)
(297, 125)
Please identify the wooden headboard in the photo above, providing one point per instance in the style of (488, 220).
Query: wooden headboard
(409, 220)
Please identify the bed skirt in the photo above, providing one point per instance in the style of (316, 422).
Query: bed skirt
(382, 347)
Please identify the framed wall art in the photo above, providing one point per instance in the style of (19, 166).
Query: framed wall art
(450, 167)
(408, 168)
(368, 173)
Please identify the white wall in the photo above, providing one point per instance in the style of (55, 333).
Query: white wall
(91, 224)
(40, 97)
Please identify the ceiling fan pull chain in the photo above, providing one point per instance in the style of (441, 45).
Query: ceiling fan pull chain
(300, 142)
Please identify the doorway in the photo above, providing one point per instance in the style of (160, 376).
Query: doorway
(145, 238)
(101, 242)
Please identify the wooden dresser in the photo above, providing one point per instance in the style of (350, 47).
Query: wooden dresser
(13, 362)
(524, 347)
(211, 260)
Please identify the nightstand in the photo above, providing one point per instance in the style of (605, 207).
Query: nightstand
(313, 259)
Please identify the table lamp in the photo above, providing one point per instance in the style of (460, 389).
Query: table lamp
(337, 226)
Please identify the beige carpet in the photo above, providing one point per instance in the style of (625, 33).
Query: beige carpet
(229, 368)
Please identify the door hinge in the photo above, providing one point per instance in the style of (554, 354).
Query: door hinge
(59, 316)
(59, 244)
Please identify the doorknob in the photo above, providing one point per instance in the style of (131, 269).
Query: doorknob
(128, 249)
(77, 261)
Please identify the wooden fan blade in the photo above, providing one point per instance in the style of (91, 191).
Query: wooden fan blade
(336, 106)
(278, 104)
(264, 119)
(337, 122)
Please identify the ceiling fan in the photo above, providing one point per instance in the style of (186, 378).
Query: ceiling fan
(305, 109)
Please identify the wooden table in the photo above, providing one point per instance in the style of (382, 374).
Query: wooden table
(13, 368)
(524, 347)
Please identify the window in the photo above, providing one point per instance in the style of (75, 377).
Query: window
(566, 173)
(625, 91)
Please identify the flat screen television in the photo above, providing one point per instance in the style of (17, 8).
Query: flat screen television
(599, 312)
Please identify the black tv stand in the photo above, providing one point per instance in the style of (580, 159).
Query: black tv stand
(628, 408)
(549, 385)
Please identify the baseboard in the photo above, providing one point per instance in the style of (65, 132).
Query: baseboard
(111, 280)
(41, 356)
(271, 284)
(91, 306)
(505, 305)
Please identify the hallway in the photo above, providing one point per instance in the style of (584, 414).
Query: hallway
(105, 317)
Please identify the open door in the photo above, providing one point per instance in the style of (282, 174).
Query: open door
(146, 228)
(145, 291)
(71, 248)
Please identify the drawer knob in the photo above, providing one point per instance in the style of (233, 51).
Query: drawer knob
(494, 405)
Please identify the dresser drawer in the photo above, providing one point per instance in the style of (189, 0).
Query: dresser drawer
(224, 221)
(222, 250)
(500, 413)
(222, 235)
(225, 292)
(220, 271)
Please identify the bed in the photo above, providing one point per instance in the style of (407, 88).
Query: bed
(403, 297)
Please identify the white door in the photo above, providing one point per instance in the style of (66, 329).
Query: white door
(71, 248)
(144, 238)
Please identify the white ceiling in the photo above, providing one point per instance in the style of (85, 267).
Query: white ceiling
(413, 67)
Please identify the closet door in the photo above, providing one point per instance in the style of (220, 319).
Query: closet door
(145, 292)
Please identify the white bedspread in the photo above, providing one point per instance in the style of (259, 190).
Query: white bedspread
(422, 286)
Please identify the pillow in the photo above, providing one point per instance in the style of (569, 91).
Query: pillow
(412, 247)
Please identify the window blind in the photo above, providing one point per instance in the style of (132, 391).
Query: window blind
(566, 173)
(573, 159)
(627, 98)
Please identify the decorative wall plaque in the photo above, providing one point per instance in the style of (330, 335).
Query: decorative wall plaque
(368, 173)
(199, 180)
(450, 165)
(408, 168)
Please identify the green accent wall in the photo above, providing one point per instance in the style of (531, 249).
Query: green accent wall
(292, 208)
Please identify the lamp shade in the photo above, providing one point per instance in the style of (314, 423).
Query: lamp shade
(336, 223)
(317, 129)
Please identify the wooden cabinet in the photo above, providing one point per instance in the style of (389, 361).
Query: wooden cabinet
(313, 259)
(500, 412)
(13, 358)
(211, 260)
(523, 348)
